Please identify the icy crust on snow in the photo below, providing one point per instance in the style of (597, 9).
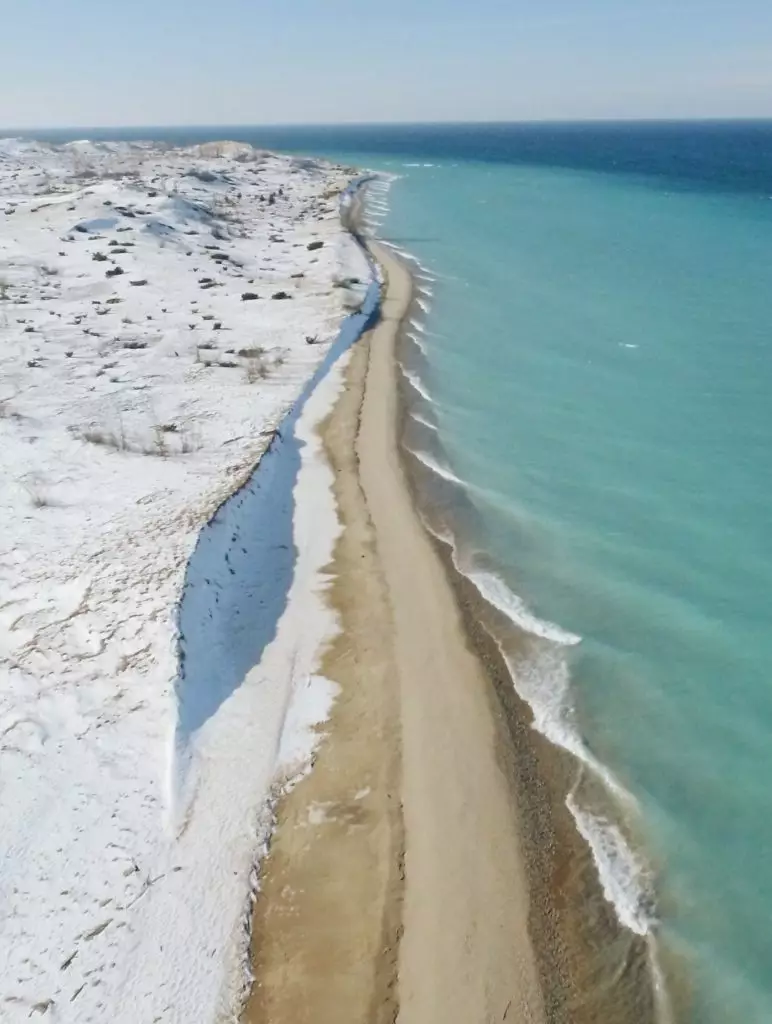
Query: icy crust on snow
(138, 387)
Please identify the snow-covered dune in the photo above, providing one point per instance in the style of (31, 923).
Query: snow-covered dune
(160, 311)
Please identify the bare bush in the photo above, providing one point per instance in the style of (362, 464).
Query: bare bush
(106, 438)
(39, 494)
(161, 440)
(7, 411)
(256, 369)
(189, 442)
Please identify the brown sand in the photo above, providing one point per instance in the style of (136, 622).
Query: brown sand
(395, 885)
(326, 922)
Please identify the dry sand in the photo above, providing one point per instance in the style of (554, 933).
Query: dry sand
(395, 886)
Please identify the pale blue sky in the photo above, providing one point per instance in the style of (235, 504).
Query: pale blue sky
(145, 62)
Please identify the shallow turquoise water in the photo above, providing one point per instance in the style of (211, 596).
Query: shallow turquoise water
(598, 360)
(599, 356)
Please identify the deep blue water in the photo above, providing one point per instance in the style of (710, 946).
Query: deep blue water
(724, 155)
(597, 356)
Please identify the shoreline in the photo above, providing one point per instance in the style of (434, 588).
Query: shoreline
(429, 841)
(466, 953)
(592, 966)
(574, 959)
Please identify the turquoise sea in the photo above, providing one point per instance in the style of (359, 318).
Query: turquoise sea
(594, 368)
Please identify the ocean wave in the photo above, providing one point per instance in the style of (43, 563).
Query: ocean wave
(439, 532)
(543, 682)
(403, 254)
(496, 592)
(445, 472)
(415, 383)
(376, 205)
(625, 879)
(417, 341)
(423, 421)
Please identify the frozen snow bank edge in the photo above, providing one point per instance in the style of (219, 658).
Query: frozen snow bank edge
(251, 531)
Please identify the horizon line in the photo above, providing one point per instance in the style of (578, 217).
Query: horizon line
(531, 122)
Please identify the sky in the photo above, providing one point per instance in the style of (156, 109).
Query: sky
(106, 63)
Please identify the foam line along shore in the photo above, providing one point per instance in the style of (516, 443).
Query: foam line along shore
(591, 889)
(404, 838)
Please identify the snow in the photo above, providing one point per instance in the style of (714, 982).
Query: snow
(135, 798)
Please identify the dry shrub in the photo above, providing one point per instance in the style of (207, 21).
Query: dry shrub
(256, 369)
(159, 440)
(39, 495)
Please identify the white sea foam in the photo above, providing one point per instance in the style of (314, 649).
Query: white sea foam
(497, 593)
(376, 204)
(408, 257)
(423, 421)
(402, 253)
(417, 341)
(625, 879)
(543, 681)
(665, 1014)
(415, 383)
(441, 534)
(436, 467)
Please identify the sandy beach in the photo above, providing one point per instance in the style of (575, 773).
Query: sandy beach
(218, 579)
(395, 886)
